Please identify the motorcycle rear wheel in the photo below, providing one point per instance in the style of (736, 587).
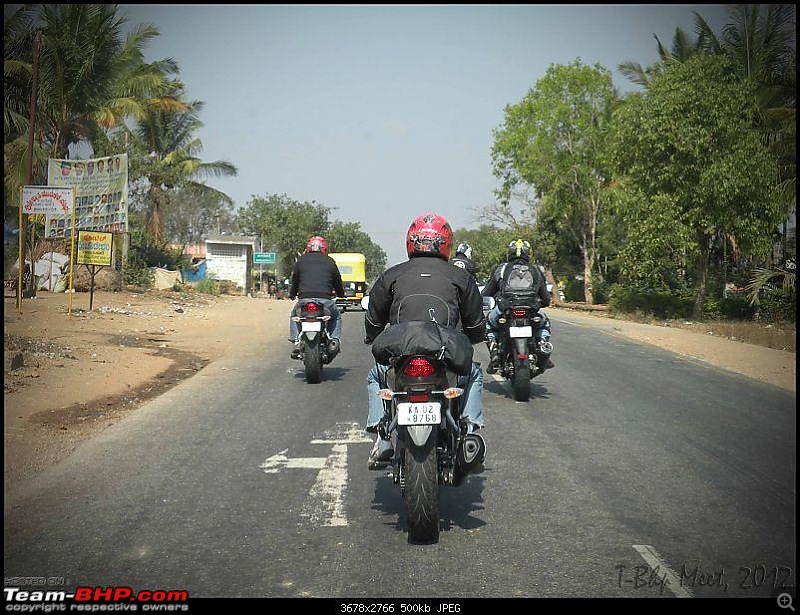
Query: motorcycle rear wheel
(521, 382)
(422, 492)
(312, 360)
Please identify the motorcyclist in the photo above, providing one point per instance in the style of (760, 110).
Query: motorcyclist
(316, 276)
(463, 259)
(423, 286)
(518, 250)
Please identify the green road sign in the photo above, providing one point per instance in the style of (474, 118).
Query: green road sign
(263, 257)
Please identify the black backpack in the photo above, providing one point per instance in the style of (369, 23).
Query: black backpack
(520, 285)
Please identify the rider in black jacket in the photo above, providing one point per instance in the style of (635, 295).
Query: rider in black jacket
(424, 288)
(517, 251)
(463, 259)
(316, 276)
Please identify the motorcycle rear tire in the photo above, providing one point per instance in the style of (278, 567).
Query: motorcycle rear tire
(312, 359)
(422, 492)
(521, 382)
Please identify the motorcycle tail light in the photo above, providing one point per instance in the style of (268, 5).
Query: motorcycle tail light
(419, 367)
(519, 312)
(311, 307)
(418, 397)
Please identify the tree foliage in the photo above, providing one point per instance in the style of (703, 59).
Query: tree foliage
(688, 145)
(554, 140)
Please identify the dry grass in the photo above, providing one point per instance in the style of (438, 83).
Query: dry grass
(779, 337)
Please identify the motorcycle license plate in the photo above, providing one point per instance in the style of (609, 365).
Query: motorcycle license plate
(311, 326)
(520, 331)
(428, 413)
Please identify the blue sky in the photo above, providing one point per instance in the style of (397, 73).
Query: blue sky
(384, 111)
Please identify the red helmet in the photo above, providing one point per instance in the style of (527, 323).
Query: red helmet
(317, 244)
(429, 234)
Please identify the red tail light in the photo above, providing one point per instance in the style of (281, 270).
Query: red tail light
(418, 397)
(519, 312)
(311, 307)
(419, 367)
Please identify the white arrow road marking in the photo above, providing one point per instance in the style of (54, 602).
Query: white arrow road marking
(326, 504)
(276, 463)
(327, 495)
(671, 579)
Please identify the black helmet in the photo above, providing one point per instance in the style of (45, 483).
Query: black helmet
(517, 249)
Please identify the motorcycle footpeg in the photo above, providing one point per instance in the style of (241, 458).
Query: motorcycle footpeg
(545, 347)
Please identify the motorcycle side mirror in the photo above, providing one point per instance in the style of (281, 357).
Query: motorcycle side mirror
(365, 302)
(488, 303)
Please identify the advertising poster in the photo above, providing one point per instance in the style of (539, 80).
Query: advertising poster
(94, 248)
(101, 194)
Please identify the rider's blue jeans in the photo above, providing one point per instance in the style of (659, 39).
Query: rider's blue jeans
(470, 400)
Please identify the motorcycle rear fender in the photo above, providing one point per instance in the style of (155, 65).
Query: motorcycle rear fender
(420, 433)
(311, 336)
(521, 346)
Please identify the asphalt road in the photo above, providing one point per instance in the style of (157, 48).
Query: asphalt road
(631, 473)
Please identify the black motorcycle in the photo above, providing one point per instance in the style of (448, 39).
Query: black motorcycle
(521, 357)
(318, 348)
(432, 446)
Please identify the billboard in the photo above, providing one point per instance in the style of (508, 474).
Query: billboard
(101, 194)
(94, 248)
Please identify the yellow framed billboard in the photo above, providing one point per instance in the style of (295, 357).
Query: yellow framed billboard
(94, 248)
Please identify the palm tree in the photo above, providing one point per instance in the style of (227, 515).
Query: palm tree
(761, 45)
(682, 49)
(168, 138)
(91, 77)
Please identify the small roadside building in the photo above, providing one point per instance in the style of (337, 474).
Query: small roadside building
(230, 257)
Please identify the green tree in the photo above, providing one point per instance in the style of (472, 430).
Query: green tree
(555, 140)
(687, 153)
(488, 246)
(90, 79)
(284, 224)
(193, 214)
(168, 154)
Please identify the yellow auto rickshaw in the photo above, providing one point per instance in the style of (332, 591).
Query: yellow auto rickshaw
(353, 267)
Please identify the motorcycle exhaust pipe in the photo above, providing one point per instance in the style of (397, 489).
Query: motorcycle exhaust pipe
(333, 347)
(545, 347)
(473, 452)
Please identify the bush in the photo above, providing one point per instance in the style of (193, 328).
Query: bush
(777, 306)
(136, 273)
(659, 303)
(208, 286)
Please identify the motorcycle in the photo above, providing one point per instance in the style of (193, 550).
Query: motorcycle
(432, 447)
(318, 348)
(521, 356)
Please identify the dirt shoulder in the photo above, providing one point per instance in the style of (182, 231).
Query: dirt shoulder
(702, 343)
(84, 373)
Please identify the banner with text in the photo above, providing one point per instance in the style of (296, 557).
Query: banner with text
(101, 194)
(94, 248)
(48, 200)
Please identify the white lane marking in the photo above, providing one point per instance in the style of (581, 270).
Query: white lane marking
(274, 464)
(343, 433)
(671, 579)
(326, 505)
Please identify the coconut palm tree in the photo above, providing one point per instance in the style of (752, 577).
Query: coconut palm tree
(169, 140)
(682, 49)
(90, 78)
